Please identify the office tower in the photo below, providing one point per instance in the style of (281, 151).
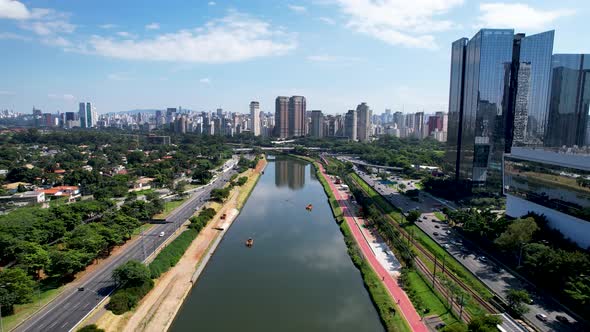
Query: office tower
(170, 115)
(350, 124)
(82, 115)
(281, 117)
(89, 119)
(568, 122)
(363, 114)
(419, 124)
(398, 119)
(317, 124)
(255, 117)
(484, 93)
(296, 123)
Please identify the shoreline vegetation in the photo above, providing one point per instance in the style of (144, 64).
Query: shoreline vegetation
(182, 256)
(389, 312)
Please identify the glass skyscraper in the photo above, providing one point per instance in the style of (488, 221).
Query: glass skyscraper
(486, 72)
(568, 122)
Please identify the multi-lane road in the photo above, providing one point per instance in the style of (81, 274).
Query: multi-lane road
(73, 305)
(499, 280)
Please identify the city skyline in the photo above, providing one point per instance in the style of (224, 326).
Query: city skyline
(62, 54)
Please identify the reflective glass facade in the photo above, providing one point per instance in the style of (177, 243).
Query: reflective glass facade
(500, 98)
(556, 187)
(535, 54)
(455, 103)
(568, 122)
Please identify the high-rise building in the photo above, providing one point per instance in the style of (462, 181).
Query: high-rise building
(297, 123)
(568, 122)
(89, 116)
(82, 115)
(419, 125)
(281, 117)
(255, 117)
(363, 113)
(317, 124)
(485, 76)
(350, 125)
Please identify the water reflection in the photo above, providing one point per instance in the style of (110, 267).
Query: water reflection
(289, 172)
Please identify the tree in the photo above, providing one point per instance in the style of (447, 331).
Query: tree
(90, 328)
(517, 300)
(67, 263)
(32, 258)
(485, 323)
(413, 216)
(131, 274)
(220, 194)
(521, 231)
(16, 287)
(401, 186)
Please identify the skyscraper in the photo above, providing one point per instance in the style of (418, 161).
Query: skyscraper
(255, 117)
(568, 122)
(350, 125)
(281, 117)
(317, 124)
(90, 120)
(82, 115)
(484, 92)
(297, 116)
(363, 113)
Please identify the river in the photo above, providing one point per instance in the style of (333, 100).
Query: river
(296, 277)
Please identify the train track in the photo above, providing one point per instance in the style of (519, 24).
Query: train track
(431, 258)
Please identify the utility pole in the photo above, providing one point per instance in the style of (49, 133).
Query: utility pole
(434, 273)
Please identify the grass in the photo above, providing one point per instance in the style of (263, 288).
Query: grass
(168, 208)
(451, 263)
(23, 311)
(419, 292)
(141, 228)
(441, 216)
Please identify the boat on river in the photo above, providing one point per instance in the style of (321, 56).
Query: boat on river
(249, 242)
(309, 207)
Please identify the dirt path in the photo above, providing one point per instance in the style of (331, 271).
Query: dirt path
(157, 310)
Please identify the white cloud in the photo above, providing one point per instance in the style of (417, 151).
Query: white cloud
(152, 26)
(56, 41)
(107, 26)
(44, 28)
(236, 37)
(119, 77)
(65, 97)
(297, 9)
(333, 59)
(205, 80)
(10, 35)
(518, 15)
(126, 34)
(327, 20)
(13, 10)
(212, 3)
(399, 22)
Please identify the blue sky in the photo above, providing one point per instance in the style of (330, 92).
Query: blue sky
(201, 55)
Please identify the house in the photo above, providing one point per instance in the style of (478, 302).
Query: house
(72, 192)
(13, 187)
(143, 183)
(25, 198)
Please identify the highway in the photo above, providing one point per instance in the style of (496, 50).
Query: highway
(470, 256)
(73, 305)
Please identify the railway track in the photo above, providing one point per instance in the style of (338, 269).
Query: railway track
(431, 258)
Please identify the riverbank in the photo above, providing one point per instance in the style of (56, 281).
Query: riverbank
(158, 308)
(384, 292)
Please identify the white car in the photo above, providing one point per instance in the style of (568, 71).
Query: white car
(162, 234)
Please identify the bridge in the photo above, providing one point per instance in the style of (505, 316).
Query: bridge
(272, 148)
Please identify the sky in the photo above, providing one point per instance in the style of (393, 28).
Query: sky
(201, 55)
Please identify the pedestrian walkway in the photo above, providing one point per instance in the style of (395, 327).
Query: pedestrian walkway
(398, 295)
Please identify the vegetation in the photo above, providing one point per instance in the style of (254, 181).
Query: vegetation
(486, 323)
(546, 258)
(90, 328)
(517, 300)
(134, 281)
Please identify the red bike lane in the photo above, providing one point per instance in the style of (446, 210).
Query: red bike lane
(398, 295)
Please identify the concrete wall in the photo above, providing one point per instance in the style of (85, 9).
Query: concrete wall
(575, 229)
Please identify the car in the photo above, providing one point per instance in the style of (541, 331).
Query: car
(436, 226)
(448, 231)
(562, 319)
(446, 245)
(424, 217)
(482, 258)
(162, 234)
(542, 317)
(80, 289)
(435, 233)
